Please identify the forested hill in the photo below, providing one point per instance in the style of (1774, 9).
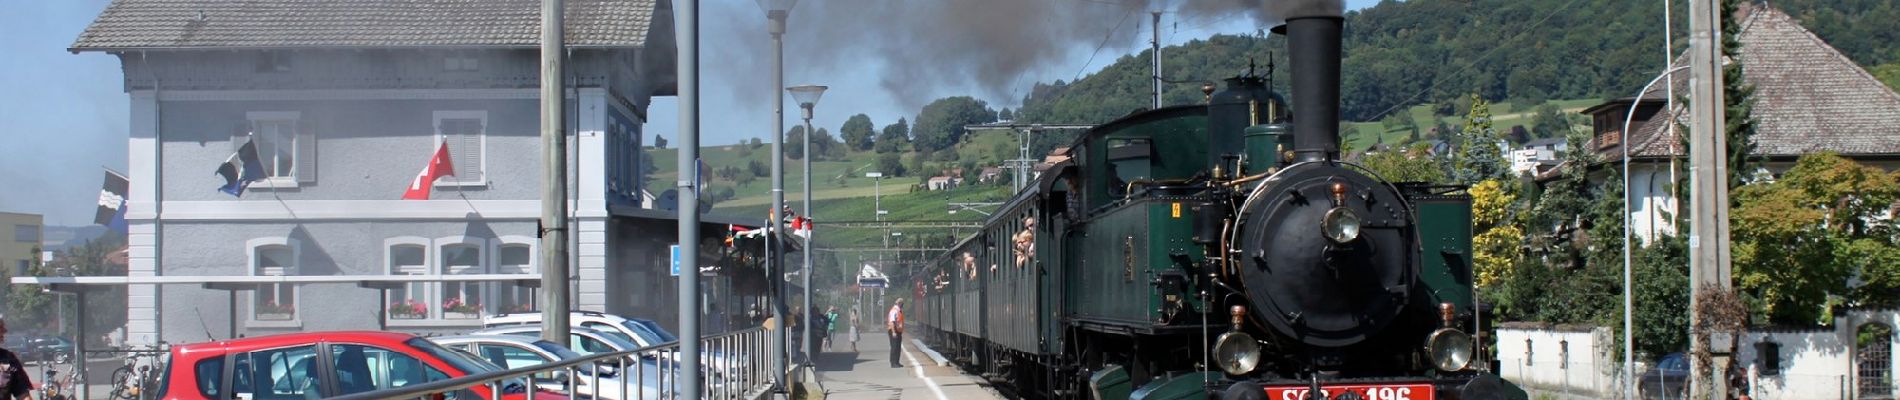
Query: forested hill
(1424, 51)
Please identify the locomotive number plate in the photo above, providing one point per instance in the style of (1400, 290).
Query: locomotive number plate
(1420, 391)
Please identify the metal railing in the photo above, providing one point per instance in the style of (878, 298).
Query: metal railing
(736, 365)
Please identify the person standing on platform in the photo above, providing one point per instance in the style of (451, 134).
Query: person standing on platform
(831, 325)
(13, 380)
(854, 329)
(894, 325)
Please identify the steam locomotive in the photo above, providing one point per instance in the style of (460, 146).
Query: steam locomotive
(1219, 250)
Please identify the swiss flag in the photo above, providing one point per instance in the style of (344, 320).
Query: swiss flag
(439, 166)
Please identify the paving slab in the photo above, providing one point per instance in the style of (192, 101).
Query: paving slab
(866, 374)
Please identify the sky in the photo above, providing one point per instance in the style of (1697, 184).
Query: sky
(64, 117)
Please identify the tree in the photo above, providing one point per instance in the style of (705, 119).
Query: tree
(1661, 288)
(894, 138)
(858, 132)
(1888, 73)
(795, 142)
(1799, 240)
(940, 125)
(1414, 164)
(1739, 99)
(827, 146)
(758, 169)
(890, 164)
(659, 142)
(1005, 115)
(1549, 122)
(755, 143)
(1495, 248)
(1479, 157)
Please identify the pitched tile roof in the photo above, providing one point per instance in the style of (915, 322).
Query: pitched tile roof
(140, 24)
(1808, 97)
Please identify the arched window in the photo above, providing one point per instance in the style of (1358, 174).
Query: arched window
(461, 300)
(409, 257)
(274, 301)
(515, 255)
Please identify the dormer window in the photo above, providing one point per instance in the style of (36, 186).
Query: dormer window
(273, 61)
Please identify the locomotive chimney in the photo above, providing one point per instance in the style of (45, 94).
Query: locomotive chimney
(1313, 43)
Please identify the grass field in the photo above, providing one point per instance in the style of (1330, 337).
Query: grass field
(1503, 116)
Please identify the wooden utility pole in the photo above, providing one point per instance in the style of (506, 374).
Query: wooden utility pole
(554, 289)
(1709, 267)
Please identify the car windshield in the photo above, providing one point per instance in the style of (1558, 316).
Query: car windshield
(558, 351)
(1673, 363)
(468, 364)
(657, 330)
(647, 335)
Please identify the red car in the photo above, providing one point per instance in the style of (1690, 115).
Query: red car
(320, 365)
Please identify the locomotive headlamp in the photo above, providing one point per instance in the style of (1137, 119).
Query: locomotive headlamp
(1340, 224)
(1450, 349)
(1236, 351)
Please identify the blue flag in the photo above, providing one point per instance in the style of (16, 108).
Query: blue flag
(112, 202)
(241, 169)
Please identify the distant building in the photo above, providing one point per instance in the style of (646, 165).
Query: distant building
(989, 174)
(347, 102)
(1537, 156)
(943, 183)
(1808, 98)
(20, 241)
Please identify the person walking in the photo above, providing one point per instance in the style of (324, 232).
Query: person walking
(831, 325)
(13, 379)
(894, 325)
(853, 334)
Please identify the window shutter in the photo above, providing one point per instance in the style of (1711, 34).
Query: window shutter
(306, 152)
(470, 169)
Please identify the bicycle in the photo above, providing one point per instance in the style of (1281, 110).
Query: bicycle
(52, 387)
(131, 380)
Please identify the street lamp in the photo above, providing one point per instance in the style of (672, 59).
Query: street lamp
(807, 98)
(775, 13)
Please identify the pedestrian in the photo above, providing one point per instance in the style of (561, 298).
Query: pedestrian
(894, 325)
(831, 325)
(14, 383)
(854, 329)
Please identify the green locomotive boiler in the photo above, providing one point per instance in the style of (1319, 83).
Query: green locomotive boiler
(1220, 250)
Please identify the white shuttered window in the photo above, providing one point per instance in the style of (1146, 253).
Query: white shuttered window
(466, 134)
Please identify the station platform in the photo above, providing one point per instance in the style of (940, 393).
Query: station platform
(866, 374)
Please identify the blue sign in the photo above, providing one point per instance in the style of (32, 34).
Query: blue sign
(676, 259)
(871, 283)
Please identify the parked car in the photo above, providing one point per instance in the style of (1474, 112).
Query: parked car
(1667, 379)
(322, 364)
(638, 331)
(590, 341)
(518, 351)
(50, 348)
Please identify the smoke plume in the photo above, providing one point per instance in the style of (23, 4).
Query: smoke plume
(987, 45)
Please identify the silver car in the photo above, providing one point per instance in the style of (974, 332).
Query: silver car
(725, 371)
(517, 351)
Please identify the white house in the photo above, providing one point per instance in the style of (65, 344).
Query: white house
(1808, 98)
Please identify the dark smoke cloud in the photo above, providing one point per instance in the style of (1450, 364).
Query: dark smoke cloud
(988, 45)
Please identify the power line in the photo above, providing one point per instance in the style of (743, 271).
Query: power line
(1098, 47)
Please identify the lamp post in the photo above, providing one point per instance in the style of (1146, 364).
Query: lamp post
(877, 185)
(775, 13)
(807, 98)
(1629, 275)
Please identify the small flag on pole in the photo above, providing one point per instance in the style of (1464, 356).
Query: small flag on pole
(241, 169)
(438, 167)
(112, 202)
